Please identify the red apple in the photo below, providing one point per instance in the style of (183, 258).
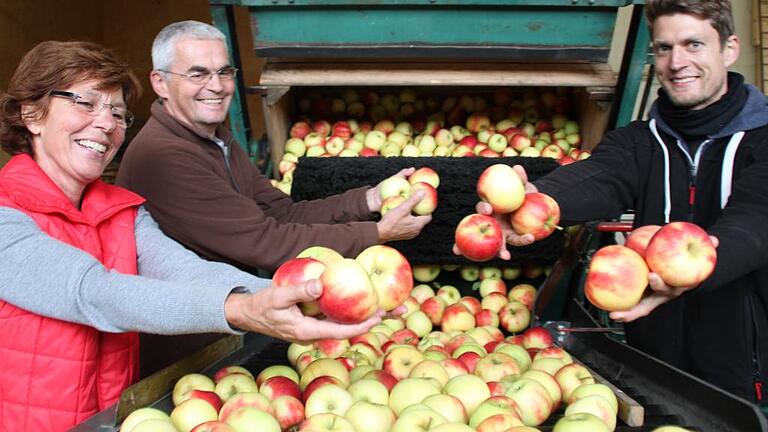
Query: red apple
(300, 130)
(389, 272)
(537, 337)
(538, 215)
(298, 270)
(616, 279)
(682, 254)
(479, 237)
(348, 295)
(639, 238)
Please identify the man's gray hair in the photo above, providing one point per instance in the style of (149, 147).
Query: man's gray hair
(164, 46)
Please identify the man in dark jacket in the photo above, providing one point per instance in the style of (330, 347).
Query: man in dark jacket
(703, 158)
(203, 190)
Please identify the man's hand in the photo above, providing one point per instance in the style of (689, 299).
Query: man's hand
(274, 312)
(660, 293)
(373, 196)
(510, 236)
(399, 223)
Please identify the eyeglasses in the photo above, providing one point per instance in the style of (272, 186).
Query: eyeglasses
(199, 77)
(88, 104)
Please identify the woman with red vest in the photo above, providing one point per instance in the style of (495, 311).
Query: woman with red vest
(83, 266)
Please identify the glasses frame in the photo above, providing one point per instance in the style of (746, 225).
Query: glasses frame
(205, 78)
(76, 98)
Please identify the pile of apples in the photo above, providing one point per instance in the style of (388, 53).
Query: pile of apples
(531, 124)
(394, 190)
(681, 253)
(479, 237)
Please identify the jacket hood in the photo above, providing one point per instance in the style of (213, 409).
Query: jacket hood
(753, 115)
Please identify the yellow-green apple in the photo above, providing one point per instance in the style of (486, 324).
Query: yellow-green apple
(367, 338)
(425, 273)
(524, 293)
(245, 399)
(358, 372)
(276, 386)
(458, 340)
(395, 323)
(538, 215)
(434, 308)
(404, 128)
(479, 237)
(426, 144)
(495, 366)
(369, 390)
(277, 370)
(616, 279)
(454, 367)
(492, 406)
(670, 428)
(209, 426)
(386, 125)
(411, 391)
(487, 317)
(457, 317)
(207, 395)
(484, 135)
(494, 302)
(329, 348)
(295, 349)
(503, 422)
(639, 238)
(390, 203)
(368, 416)
(296, 146)
(418, 420)
(514, 317)
(443, 138)
(549, 382)
(519, 142)
(394, 186)
(556, 352)
(428, 204)
(143, 414)
(436, 352)
(497, 142)
(155, 425)
(298, 270)
(532, 401)
(682, 254)
(318, 382)
(581, 422)
(390, 274)
(326, 422)
(422, 292)
(383, 377)
(495, 332)
(597, 389)
(306, 358)
(350, 359)
(250, 419)
(349, 295)
(226, 370)
(511, 273)
(334, 145)
(314, 140)
(365, 349)
(488, 286)
(490, 273)
(481, 335)
(411, 305)
(324, 366)
(471, 390)
(430, 369)
(537, 337)
(549, 365)
(553, 151)
(189, 382)
(449, 293)
(595, 405)
(374, 140)
(469, 273)
(419, 323)
(191, 413)
(317, 151)
(426, 175)
(288, 411)
(400, 360)
(328, 399)
(570, 377)
(517, 352)
(501, 187)
(452, 427)
(448, 406)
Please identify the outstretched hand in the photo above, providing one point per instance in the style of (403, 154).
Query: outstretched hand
(274, 312)
(373, 196)
(659, 294)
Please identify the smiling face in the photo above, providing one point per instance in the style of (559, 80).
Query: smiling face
(200, 105)
(72, 146)
(691, 63)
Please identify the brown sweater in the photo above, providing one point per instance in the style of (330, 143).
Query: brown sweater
(239, 218)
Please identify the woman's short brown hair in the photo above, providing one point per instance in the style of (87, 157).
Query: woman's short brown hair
(54, 65)
(717, 12)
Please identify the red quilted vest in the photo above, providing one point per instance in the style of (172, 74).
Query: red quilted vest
(55, 374)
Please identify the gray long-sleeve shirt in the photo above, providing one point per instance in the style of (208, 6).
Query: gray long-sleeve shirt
(176, 292)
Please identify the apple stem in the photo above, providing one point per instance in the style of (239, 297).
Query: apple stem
(559, 228)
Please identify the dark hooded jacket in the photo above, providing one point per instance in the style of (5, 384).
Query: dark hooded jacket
(718, 331)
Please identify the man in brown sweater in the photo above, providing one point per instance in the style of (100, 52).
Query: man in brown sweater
(203, 190)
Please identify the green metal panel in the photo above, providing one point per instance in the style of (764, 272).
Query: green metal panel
(433, 26)
(364, 3)
(634, 73)
(222, 19)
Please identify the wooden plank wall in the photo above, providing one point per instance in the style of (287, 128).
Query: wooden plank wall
(762, 43)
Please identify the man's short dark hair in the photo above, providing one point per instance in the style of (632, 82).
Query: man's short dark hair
(717, 12)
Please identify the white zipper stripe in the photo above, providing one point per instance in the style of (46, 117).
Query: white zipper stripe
(726, 177)
(667, 198)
